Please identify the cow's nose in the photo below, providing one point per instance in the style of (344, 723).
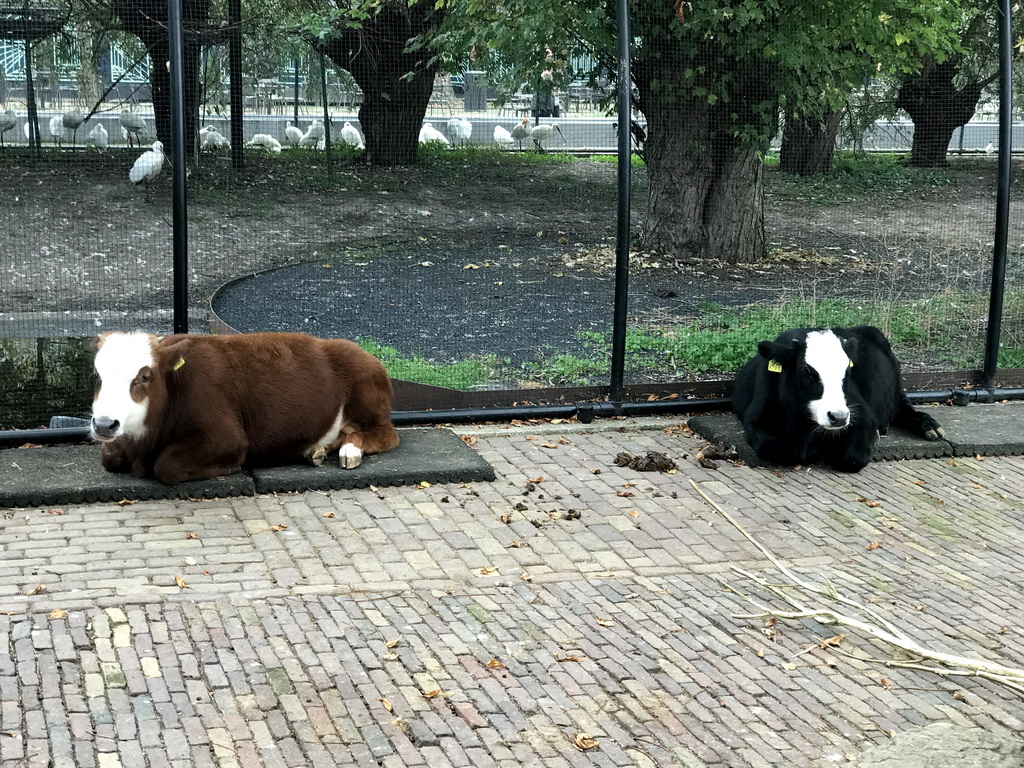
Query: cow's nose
(838, 418)
(104, 426)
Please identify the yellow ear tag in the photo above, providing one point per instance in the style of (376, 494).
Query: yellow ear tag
(177, 365)
(851, 363)
(775, 366)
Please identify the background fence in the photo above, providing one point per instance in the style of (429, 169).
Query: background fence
(472, 252)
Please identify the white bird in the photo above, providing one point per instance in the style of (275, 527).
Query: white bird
(313, 134)
(502, 137)
(544, 132)
(989, 149)
(211, 138)
(7, 121)
(148, 165)
(521, 131)
(266, 141)
(429, 133)
(57, 130)
(72, 120)
(98, 136)
(292, 135)
(131, 126)
(460, 129)
(350, 135)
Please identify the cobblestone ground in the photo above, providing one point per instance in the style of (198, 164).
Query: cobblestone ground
(489, 625)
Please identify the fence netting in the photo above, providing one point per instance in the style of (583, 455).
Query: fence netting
(438, 182)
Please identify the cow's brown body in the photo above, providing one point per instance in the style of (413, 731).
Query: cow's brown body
(217, 403)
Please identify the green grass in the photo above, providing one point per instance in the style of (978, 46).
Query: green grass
(944, 331)
(858, 176)
(464, 374)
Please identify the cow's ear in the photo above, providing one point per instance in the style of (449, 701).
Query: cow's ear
(172, 351)
(97, 341)
(778, 355)
(850, 346)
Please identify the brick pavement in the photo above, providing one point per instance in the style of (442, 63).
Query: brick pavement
(485, 625)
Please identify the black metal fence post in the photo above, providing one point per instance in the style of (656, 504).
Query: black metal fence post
(235, 77)
(179, 165)
(625, 83)
(998, 285)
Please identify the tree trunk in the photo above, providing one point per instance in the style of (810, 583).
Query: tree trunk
(937, 107)
(396, 82)
(808, 143)
(705, 186)
(147, 20)
(89, 80)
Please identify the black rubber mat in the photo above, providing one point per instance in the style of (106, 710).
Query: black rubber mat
(72, 474)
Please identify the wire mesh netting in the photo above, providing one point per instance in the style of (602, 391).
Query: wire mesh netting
(438, 182)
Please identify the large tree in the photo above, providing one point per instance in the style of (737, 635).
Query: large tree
(148, 21)
(710, 79)
(943, 94)
(386, 45)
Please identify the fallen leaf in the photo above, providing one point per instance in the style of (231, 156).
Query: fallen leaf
(57, 613)
(887, 684)
(626, 494)
(180, 581)
(423, 484)
(831, 641)
(634, 513)
(978, 457)
(435, 693)
(919, 482)
(36, 589)
(393, 643)
(488, 570)
(540, 479)
(495, 664)
(788, 665)
(551, 446)
(605, 622)
(872, 546)
(568, 658)
(329, 514)
(760, 653)
(506, 519)
(583, 741)
(518, 544)
(469, 440)
(920, 606)
(526, 577)
(870, 502)
(374, 488)
(127, 502)
(55, 511)
(959, 695)
(278, 527)
(191, 536)
(387, 704)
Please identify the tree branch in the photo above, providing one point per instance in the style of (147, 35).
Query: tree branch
(878, 628)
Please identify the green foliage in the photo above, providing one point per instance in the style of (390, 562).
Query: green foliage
(465, 374)
(858, 176)
(721, 340)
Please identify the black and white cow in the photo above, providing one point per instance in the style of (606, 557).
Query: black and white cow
(823, 396)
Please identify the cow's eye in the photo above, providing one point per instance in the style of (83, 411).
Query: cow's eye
(144, 378)
(809, 373)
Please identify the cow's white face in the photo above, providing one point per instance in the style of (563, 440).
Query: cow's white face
(124, 364)
(828, 360)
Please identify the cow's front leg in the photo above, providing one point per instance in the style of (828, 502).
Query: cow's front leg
(196, 459)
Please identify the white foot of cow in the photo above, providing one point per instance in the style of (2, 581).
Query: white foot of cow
(349, 457)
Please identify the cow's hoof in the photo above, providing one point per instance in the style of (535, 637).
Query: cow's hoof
(318, 456)
(349, 457)
(933, 434)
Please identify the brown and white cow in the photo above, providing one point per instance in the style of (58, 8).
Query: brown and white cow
(191, 407)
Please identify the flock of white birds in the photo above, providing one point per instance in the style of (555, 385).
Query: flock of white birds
(147, 166)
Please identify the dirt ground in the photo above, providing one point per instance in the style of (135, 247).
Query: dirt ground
(77, 237)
